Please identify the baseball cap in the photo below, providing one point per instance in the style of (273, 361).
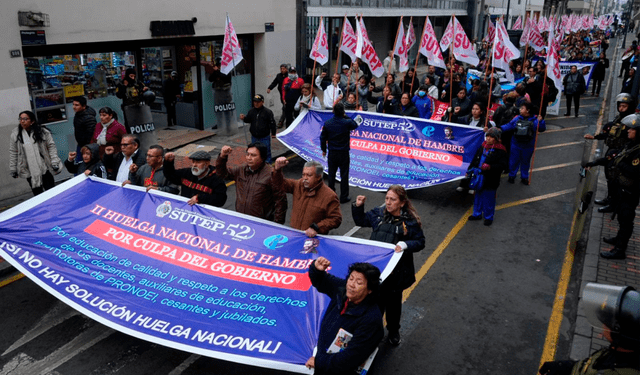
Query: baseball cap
(258, 98)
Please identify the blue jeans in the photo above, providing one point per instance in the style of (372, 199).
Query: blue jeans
(266, 141)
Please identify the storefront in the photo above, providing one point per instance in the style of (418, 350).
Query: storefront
(58, 73)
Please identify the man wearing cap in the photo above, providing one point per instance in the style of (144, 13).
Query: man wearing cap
(199, 183)
(345, 77)
(171, 93)
(292, 88)
(277, 81)
(256, 194)
(262, 123)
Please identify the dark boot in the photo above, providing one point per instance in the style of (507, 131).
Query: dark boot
(605, 209)
(394, 337)
(615, 253)
(603, 202)
(609, 240)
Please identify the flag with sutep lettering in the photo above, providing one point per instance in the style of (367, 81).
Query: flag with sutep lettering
(462, 47)
(429, 46)
(365, 50)
(349, 40)
(536, 41)
(524, 38)
(503, 50)
(231, 52)
(518, 24)
(543, 24)
(491, 34)
(553, 60)
(399, 48)
(320, 50)
(409, 41)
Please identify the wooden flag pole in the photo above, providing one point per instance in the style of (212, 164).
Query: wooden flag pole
(340, 44)
(486, 115)
(415, 67)
(490, 47)
(453, 41)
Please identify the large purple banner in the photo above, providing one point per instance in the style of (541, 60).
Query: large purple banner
(195, 278)
(387, 149)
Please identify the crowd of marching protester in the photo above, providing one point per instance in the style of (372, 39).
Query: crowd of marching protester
(510, 122)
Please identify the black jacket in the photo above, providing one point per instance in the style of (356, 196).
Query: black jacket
(497, 160)
(262, 122)
(393, 229)
(210, 189)
(84, 124)
(277, 82)
(363, 321)
(336, 131)
(95, 165)
(170, 90)
(409, 111)
(112, 162)
(383, 106)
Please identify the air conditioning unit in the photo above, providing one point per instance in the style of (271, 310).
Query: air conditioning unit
(33, 19)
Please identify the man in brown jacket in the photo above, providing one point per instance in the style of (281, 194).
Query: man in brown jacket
(256, 194)
(315, 208)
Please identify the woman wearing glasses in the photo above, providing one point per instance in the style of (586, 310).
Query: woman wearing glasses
(33, 154)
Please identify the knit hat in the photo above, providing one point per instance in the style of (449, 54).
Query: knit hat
(200, 155)
(495, 133)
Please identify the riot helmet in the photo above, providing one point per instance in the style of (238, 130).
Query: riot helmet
(631, 121)
(629, 100)
(618, 309)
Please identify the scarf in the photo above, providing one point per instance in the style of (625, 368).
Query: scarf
(35, 162)
(102, 137)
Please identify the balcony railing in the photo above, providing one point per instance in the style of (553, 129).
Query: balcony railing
(391, 4)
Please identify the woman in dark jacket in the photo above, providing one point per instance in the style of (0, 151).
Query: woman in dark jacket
(396, 223)
(598, 74)
(91, 164)
(410, 81)
(491, 160)
(385, 103)
(406, 107)
(476, 118)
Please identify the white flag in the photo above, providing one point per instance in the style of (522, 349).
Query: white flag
(518, 24)
(447, 37)
(524, 38)
(231, 52)
(429, 46)
(409, 41)
(320, 50)
(399, 48)
(503, 50)
(365, 50)
(462, 47)
(553, 61)
(491, 35)
(349, 39)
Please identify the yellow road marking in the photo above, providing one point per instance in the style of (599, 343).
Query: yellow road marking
(288, 158)
(556, 166)
(553, 330)
(422, 272)
(563, 129)
(560, 145)
(11, 279)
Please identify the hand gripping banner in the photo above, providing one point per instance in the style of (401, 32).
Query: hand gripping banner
(388, 149)
(194, 278)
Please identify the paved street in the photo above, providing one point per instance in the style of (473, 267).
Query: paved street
(483, 302)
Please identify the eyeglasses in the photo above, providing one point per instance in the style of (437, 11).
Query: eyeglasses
(153, 156)
(24, 119)
(125, 144)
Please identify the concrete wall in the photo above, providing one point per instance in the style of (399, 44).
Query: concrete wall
(99, 21)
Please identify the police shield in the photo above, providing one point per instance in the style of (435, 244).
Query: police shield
(139, 121)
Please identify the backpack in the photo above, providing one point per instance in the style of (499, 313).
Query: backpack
(524, 130)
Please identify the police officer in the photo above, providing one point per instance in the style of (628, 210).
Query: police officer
(614, 311)
(615, 137)
(624, 169)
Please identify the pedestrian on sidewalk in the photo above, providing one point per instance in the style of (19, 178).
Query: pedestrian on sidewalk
(336, 136)
(262, 123)
(33, 154)
(574, 86)
(397, 222)
(171, 93)
(624, 167)
(277, 82)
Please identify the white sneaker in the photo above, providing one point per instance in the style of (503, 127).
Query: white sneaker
(472, 191)
(459, 189)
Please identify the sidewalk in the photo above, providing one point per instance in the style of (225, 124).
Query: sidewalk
(586, 340)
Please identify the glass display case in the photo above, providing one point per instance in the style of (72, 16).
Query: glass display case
(49, 105)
